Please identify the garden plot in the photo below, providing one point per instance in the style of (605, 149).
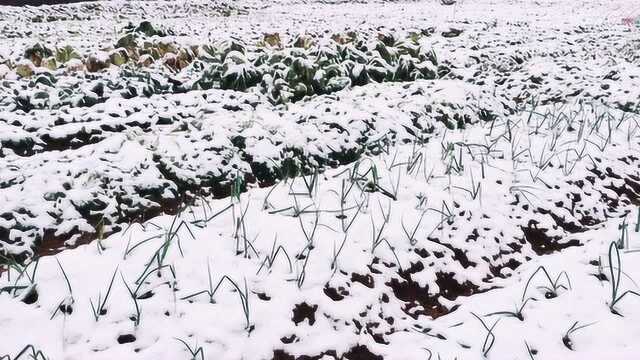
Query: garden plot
(460, 186)
(200, 113)
(379, 258)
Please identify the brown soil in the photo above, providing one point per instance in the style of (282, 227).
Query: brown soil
(414, 295)
(543, 244)
(335, 294)
(304, 311)
(358, 352)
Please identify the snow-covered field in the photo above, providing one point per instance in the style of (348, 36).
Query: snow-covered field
(320, 180)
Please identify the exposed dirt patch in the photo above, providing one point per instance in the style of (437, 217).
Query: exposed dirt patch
(451, 289)
(52, 244)
(372, 329)
(304, 311)
(458, 255)
(630, 189)
(358, 352)
(567, 226)
(361, 352)
(289, 339)
(415, 295)
(366, 280)
(126, 339)
(335, 294)
(543, 244)
(263, 296)
(418, 300)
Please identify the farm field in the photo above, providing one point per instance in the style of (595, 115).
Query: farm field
(294, 179)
